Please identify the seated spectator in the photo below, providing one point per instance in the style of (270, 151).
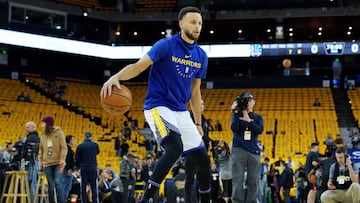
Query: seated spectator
(21, 97)
(110, 191)
(110, 171)
(15, 159)
(28, 99)
(6, 155)
(75, 185)
(343, 180)
(317, 102)
(355, 140)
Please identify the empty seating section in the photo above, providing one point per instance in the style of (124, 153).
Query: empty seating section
(291, 121)
(354, 97)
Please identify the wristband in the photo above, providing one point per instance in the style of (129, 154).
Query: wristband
(198, 124)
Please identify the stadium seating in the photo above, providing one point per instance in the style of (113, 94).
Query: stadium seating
(291, 121)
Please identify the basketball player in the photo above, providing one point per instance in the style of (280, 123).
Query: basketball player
(177, 66)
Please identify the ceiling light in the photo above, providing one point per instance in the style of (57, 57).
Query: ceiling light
(320, 28)
(268, 30)
(350, 27)
(85, 13)
(211, 32)
(162, 33)
(348, 33)
(135, 33)
(240, 31)
(117, 33)
(291, 29)
(291, 34)
(319, 33)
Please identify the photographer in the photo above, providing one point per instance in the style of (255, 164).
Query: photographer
(343, 180)
(246, 127)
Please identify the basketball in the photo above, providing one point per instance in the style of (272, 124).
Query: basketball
(286, 63)
(119, 102)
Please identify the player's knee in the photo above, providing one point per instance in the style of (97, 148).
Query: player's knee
(173, 144)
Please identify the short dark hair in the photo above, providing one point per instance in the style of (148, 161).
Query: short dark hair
(68, 138)
(188, 9)
(341, 150)
(267, 159)
(314, 144)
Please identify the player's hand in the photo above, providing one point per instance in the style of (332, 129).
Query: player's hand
(107, 87)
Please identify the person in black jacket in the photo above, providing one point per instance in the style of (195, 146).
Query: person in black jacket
(30, 154)
(286, 181)
(70, 163)
(246, 127)
(85, 157)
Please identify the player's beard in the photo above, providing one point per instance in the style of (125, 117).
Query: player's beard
(191, 36)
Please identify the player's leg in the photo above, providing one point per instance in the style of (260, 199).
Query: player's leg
(194, 149)
(163, 125)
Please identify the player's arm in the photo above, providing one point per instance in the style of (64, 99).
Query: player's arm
(130, 71)
(195, 103)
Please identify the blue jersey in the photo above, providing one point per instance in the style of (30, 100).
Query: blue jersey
(175, 65)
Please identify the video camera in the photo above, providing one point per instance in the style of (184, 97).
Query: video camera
(243, 100)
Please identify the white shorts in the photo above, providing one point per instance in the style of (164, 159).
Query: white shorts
(161, 120)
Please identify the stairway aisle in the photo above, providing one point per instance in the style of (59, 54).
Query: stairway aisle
(343, 109)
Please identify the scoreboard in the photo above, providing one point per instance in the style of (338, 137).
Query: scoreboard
(306, 49)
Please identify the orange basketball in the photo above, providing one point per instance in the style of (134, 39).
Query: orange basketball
(286, 63)
(119, 102)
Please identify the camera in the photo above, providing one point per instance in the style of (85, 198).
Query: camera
(219, 149)
(243, 100)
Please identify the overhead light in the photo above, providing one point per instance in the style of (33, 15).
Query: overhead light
(291, 29)
(117, 33)
(240, 31)
(348, 33)
(291, 34)
(211, 32)
(85, 13)
(320, 28)
(319, 33)
(350, 27)
(162, 33)
(135, 33)
(268, 30)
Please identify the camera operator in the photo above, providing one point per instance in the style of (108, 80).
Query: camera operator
(343, 180)
(246, 127)
(30, 154)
